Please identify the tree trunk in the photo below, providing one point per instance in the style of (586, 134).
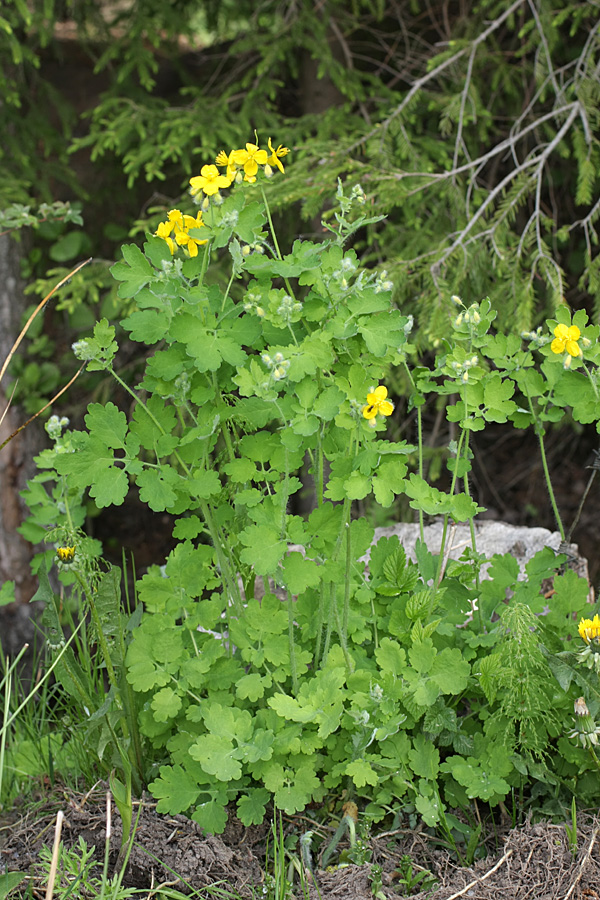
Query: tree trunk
(16, 458)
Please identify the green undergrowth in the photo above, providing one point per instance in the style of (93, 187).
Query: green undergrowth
(407, 686)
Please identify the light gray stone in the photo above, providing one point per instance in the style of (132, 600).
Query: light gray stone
(491, 537)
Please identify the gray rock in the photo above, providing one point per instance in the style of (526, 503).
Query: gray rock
(491, 537)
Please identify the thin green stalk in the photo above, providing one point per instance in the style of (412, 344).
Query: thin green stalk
(334, 613)
(331, 607)
(291, 643)
(540, 435)
(275, 242)
(440, 570)
(471, 522)
(226, 294)
(419, 443)
(346, 612)
(7, 698)
(205, 260)
(320, 619)
(290, 605)
(100, 637)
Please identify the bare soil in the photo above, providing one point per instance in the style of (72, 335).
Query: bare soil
(534, 862)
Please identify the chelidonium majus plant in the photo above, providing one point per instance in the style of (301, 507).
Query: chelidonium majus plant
(269, 662)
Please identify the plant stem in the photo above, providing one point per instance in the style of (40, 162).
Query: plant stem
(275, 242)
(291, 644)
(540, 435)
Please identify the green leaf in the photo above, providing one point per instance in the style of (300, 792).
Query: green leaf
(175, 790)
(252, 686)
(217, 756)
(429, 807)
(143, 671)
(263, 548)
(424, 758)
(293, 788)
(212, 814)
(390, 657)
(204, 483)
(497, 394)
(134, 273)
(154, 489)
(107, 424)
(166, 704)
(9, 881)
(299, 573)
(251, 807)
(146, 326)
(450, 671)
(361, 772)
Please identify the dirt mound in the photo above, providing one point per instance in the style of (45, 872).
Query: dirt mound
(536, 861)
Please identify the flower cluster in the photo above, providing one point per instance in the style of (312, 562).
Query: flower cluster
(377, 403)
(277, 364)
(469, 316)
(175, 231)
(461, 369)
(54, 426)
(239, 165)
(589, 630)
(66, 554)
(568, 340)
(252, 304)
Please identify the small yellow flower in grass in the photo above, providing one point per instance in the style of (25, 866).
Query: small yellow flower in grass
(565, 340)
(65, 554)
(276, 155)
(377, 403)
(249, 160)
(209, 181)
(589, 629)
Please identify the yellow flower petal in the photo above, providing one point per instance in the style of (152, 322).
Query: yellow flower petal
(561, 332)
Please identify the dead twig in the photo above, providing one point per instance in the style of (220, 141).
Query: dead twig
(55, 852)
(483, 877)
(583, 862)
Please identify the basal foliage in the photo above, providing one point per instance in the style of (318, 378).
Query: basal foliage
(271, 662)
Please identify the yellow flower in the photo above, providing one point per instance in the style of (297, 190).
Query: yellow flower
(227, 162)
(164, 230)
(274, 158)
(377, 403)
(250, 159)
(65, 554)
(589, 629)
(208, 181)
(185, 240)
(175, 232)
(565, 339)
